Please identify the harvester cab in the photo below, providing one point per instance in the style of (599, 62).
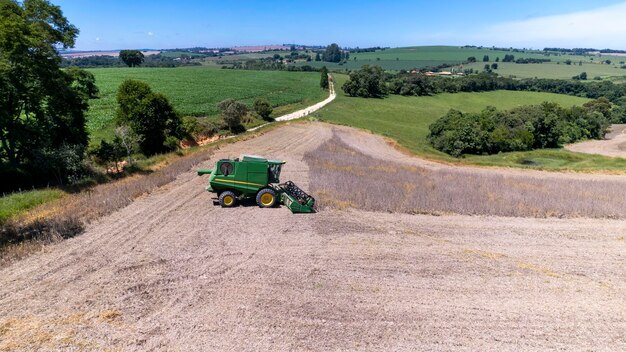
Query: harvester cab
(256, 177)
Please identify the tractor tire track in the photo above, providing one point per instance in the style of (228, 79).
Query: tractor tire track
(171, 271)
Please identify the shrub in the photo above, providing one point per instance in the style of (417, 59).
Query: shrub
(527, 127)
(150, 115)
(232, 113)
(368, 82)
(263, 108)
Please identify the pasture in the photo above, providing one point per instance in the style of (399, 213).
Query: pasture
(195, 91)
(406, 120)
(427, 56)
(554, 70)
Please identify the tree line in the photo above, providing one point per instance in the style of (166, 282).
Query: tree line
(156, 60)
(523, 128)
(43, 137)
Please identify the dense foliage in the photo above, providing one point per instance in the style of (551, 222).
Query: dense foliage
(368, 82)
(233, 112)
(156, 60)
(334, 54)
(150, 115)
(42, 114)
(420, 85)
(132, 58)
(263, 108)
(324, 78)
(524, 128)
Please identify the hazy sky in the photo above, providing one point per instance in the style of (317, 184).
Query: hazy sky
(157, 24)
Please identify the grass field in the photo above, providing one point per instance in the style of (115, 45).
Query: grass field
(406, 120)
(195, 91)
(17, 203)
(428, 56)
(554, 70)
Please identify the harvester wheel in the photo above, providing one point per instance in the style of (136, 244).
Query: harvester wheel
(266, 198)
(227, 199)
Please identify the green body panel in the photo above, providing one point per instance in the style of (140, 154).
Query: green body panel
(250, 174)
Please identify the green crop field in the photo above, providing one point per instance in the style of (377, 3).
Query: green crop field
(406, 120)
(428, 56)
(554, 70)
(195, 91)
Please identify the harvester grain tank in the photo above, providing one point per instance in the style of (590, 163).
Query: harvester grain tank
(256, 177)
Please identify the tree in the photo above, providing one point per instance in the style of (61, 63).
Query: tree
(83, 81)
(486, 58)
(494, 66)
(568, 62)
(317, 57)
(42, 108)
(583, 76)
(471, 59)
(127, 139)
(150, 115)
(508, 58)
(333, 53)
(263, 108)
(132, 58)
(232, 113)
(324, 78)
(497, 58)
(368, 82)
(108, 153)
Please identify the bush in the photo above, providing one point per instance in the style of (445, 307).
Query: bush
(527, 127)
(263, 108)
(150, 115)
(232, 113)
(368, 82)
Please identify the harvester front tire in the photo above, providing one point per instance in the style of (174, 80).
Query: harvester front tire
(228, 199)
(266, 198)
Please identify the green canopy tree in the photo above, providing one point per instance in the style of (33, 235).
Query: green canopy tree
(324, 78)
(42, 108)
(232, 113)
(332, 53)
(263, 108)
(132, 58)
(368, 82)
(150, 115)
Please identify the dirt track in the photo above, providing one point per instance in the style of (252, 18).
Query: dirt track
(173, 272)
(614, 145)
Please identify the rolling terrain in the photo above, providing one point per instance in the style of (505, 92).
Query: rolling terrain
(419, 57)
(406, 120)
(173, 271)
(196, 91)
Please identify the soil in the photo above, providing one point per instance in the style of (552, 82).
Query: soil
(172, 271)
(612, 146)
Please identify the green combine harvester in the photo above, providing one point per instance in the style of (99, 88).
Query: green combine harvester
(255, 177)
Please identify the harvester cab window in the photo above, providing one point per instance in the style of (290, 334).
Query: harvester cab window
(226, 168)
(274, 173)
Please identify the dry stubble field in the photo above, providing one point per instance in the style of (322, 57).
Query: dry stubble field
(172, 272)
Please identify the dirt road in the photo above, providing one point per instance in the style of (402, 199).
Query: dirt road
(614, 145)
(173, 272)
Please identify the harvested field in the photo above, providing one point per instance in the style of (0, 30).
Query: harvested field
(172, 272)
(614, 145)
(337, 170)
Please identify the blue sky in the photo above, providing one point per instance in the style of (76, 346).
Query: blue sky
(157, 24)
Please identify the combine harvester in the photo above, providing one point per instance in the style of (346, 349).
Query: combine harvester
(255, 177)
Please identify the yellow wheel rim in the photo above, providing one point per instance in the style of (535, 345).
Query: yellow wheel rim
(267, 199)
(228, 200)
